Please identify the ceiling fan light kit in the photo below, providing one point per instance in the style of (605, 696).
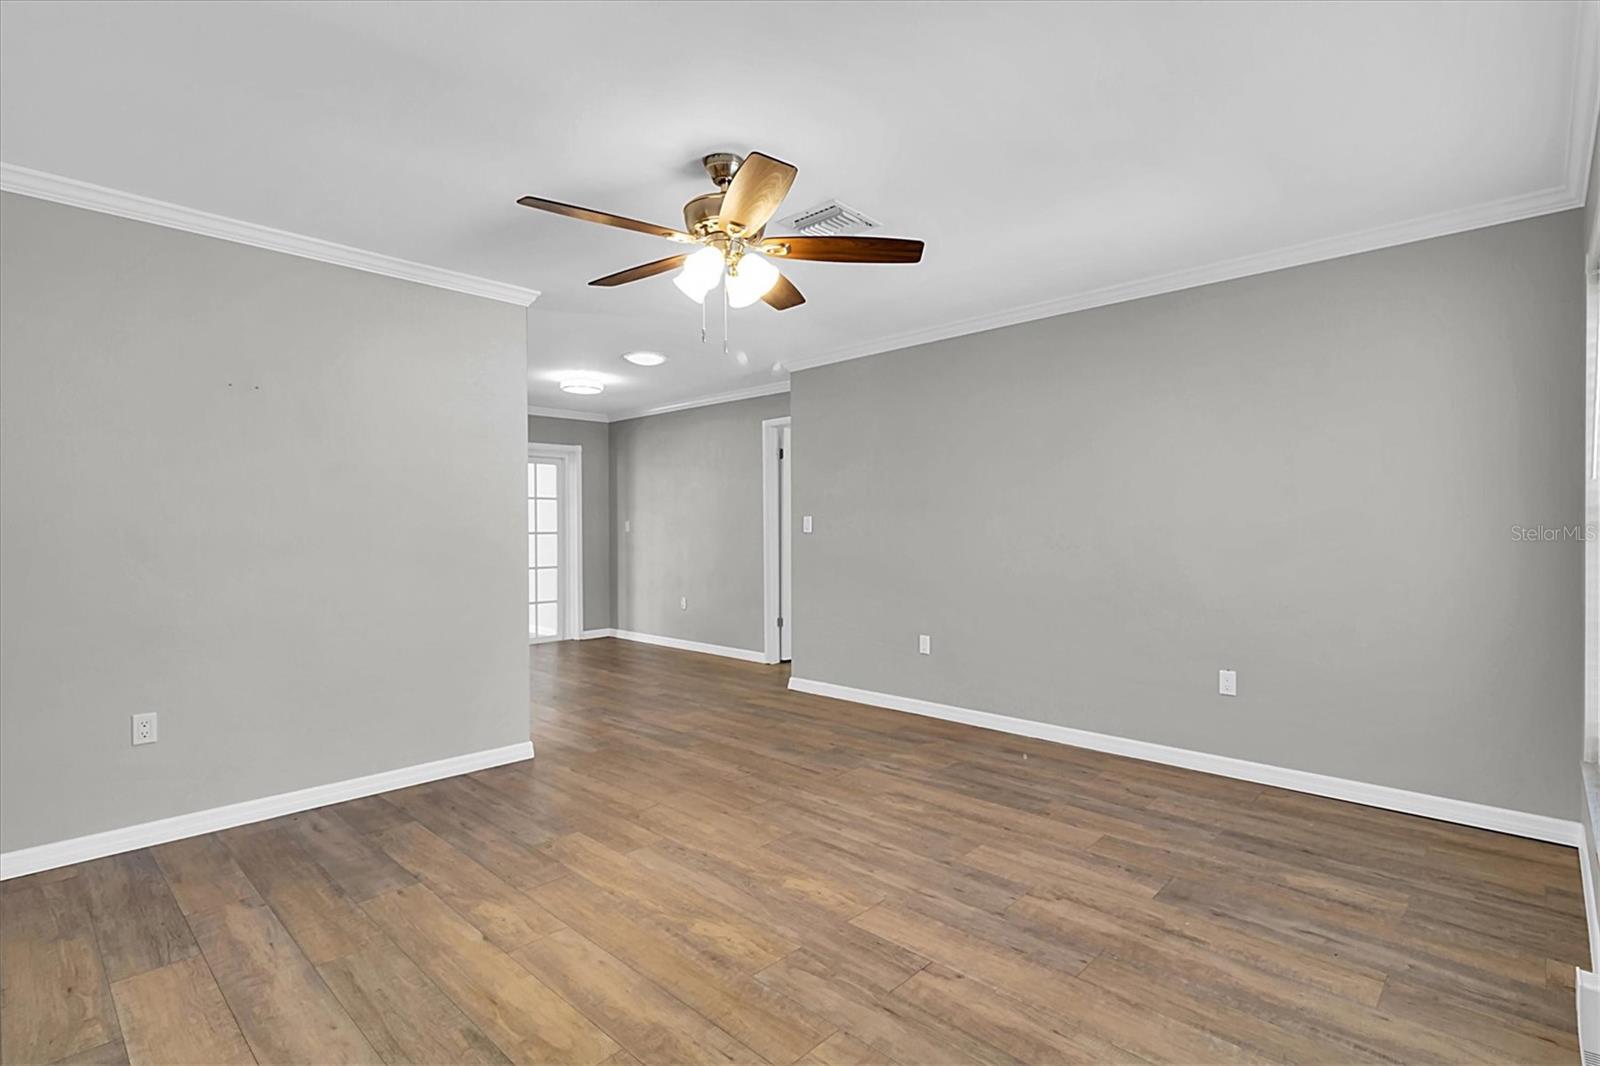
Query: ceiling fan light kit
(748, 280)
(701, 273)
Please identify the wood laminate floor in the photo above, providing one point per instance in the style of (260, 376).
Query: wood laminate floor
(701, 866)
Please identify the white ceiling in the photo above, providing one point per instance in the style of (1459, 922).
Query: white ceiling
(1052, 156)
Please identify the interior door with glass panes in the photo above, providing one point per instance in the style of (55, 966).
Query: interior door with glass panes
(546, 549)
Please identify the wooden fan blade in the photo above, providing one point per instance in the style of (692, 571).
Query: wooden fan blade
(638, 273)
(783, 295)
(758, 187)
(584, 214)
(844, 249)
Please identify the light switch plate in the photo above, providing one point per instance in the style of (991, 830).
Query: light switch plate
(805, 524)
(924, 644)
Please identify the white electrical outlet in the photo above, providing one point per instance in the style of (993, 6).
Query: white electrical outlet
(924, 644)
(144, 728)
(683, 603)
(1227, 683)
(627, 525)
(805, 524)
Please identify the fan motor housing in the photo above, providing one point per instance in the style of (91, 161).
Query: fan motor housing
(702, 215)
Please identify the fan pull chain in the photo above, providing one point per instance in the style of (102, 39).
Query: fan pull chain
(702, 321)
(724, 316)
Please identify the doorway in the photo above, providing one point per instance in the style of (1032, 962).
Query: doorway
(555, 542)
(777, 529)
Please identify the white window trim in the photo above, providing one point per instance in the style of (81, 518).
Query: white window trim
(1591, 518)
(770, 562)
(570, 533)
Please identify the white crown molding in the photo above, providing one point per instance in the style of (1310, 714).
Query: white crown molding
(74, 193)
(576, 416)
(1462, 812)
(1439, 225)
(148, 834)
(743, 654)
(774, 389)
(1585, 115)
(1581, 126)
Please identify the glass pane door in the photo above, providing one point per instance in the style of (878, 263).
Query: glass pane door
(544, 549)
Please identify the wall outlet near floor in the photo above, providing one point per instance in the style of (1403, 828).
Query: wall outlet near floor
(1227, 683)
(144, 728)
(683, 603)
(924, 644)
(805, 524)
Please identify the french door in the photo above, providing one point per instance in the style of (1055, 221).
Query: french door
(785, 551)
(546, 476)
(555, 542)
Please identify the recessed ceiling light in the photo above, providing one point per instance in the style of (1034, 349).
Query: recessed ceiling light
(582, 386)
(645, 358)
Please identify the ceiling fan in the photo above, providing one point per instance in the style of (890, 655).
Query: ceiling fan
(730, 226)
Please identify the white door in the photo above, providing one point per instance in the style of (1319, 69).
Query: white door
(785, 640)
(546, 550)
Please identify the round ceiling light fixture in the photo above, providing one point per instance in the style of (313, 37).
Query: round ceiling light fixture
(645, 358)
(582, 386)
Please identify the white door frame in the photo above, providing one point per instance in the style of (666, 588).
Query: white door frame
(570, 534)
(772, 642)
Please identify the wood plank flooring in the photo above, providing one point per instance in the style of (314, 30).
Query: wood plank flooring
(701, 866)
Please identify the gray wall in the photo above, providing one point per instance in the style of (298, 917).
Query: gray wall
(1310, 476)
(689, 482)
(595, 439)
(278, 502)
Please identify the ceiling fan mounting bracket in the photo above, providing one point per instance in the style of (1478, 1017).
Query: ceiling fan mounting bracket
(721, 167)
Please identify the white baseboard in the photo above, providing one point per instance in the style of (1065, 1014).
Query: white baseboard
(689, 645)
(591, 634)
(114, 841)
(1463, 812)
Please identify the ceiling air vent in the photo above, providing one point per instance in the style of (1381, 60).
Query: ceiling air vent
(831, 219)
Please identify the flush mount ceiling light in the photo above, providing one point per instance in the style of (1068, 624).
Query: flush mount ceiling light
(582, 386)
(645, 358)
